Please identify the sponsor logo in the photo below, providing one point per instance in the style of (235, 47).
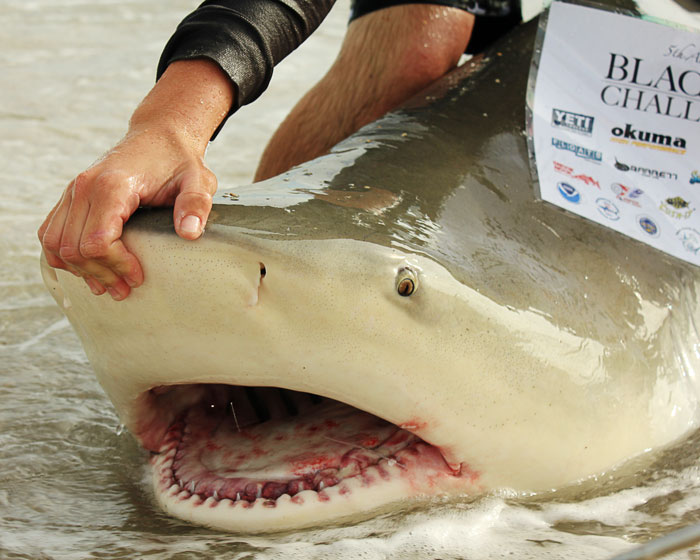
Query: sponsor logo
(646, 171)
(648, 226)
(694, 177)
(576, 122)
(626, 194)
(608, 209)
(561, 168)
(621, 166)
(587, 179)
(676, 207)
(569, 192)
(690, 238)
(644, 139)
(579, 151)
(569, 171)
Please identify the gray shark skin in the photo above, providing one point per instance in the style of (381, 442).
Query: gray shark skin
(411, 274)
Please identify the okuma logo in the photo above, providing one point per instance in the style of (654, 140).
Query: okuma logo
(578, 151)
(676, 207)
(569, 192)
(576, 122)
(645, 139)
(645, 171)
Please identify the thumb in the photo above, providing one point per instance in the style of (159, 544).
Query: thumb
(193, 204)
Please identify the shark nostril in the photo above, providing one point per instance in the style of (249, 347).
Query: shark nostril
(406, 282)
(263, 270)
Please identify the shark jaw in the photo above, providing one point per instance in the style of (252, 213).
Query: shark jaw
(261, 458)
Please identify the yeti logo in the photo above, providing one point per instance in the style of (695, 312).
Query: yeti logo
(575, 122)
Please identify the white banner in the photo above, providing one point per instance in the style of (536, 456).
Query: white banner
(616, 125)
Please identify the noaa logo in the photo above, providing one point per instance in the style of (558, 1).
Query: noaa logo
(690, 238)
(608, 209)
(569, 192)
(648, 226)
(694, 177)
(583, 124)
(676, 207)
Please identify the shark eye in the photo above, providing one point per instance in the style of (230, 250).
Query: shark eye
(406, 282)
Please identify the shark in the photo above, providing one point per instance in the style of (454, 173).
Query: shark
(400, 319)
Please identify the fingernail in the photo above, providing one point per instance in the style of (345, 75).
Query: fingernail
(132, 283)
(115, 294)
(95, 287)
(190, 224)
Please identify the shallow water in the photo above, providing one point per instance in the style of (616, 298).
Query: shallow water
(73, 486)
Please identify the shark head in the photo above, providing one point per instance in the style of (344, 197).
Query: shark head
(281, 382)
(397, 320)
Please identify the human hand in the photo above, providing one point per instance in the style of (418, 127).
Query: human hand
(149, 167)
(160, 162)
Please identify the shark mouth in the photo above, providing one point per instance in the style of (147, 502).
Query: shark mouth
(261, 458)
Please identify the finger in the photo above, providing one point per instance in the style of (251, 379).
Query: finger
(73, 213)
(73, 221)
(95, 286)
(101, 242)
(193, 204)
(54, 261)
(45, 224)
(51, 231)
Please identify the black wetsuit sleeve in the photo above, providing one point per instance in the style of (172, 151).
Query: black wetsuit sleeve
(490, 8)
(246, 38)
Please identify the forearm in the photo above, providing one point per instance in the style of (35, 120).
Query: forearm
(189, 102)
(387, 57)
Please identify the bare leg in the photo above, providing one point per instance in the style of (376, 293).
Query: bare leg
(386, 57)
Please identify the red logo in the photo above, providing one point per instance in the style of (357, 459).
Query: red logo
(561, 168)
(588, 180)
(569, 171)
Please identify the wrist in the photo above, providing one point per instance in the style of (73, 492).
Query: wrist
(188, 102)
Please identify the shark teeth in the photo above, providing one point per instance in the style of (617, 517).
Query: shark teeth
(385, 470)
(320, 461)
(358, 468)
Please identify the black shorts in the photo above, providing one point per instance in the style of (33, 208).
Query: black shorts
(493, 17)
